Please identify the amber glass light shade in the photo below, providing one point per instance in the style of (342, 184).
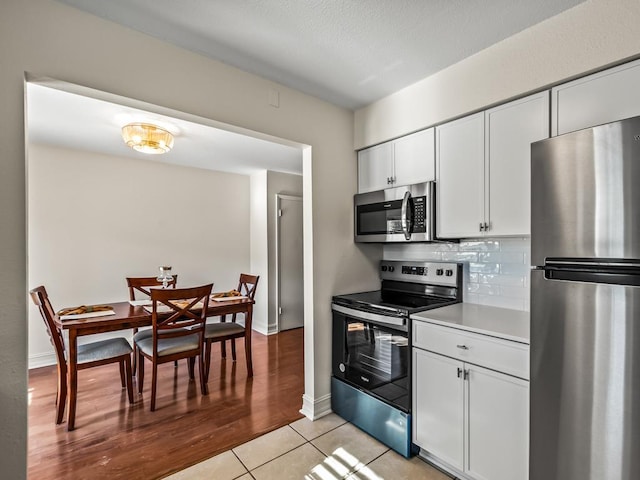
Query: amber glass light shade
(147, 138)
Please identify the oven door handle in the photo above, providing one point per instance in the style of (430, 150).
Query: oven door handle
(373, 317)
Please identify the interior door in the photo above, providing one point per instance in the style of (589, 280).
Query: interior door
(290, 281)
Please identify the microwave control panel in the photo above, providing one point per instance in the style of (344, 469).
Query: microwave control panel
(419, 225)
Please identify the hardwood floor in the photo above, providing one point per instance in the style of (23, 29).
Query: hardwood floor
(114, 439)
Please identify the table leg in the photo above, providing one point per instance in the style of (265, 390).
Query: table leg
(73, 379)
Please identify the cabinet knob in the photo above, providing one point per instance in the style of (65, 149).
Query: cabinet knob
(463, 347)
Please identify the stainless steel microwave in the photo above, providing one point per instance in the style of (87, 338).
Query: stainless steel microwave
(400, 214)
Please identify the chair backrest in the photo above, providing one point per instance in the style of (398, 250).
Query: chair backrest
(41, 299)
(174, 315)
(247, 285)
(139, 284)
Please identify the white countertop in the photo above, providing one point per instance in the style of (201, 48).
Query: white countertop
(497, 322)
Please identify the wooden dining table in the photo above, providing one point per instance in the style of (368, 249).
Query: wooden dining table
(127, 316)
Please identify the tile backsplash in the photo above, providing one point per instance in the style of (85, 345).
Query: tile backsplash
(496, 270)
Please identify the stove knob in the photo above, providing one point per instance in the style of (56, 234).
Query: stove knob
(439, 271)
(449, 273)
(391, 268)
(383, 268)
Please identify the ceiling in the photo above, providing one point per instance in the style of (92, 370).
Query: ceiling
(347, 52)
(95, 125)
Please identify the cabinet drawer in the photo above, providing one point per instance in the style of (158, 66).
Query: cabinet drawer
(490, 352)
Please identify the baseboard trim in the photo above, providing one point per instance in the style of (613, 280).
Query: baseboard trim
(42, 360)
(314, 409)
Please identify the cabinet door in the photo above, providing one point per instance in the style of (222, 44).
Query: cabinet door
(600, 98)
(438, 406)
(375, 167)
(414, 158)
(497, 420)
(460, 177)
(511, 129)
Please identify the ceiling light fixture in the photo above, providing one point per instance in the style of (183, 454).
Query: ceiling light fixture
(147, 138)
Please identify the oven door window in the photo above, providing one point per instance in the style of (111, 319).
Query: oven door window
(377, 359)
(380, 218)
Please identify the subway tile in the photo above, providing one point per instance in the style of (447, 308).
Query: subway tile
(514, 269)
(460, 256)
(480, 245)
(483, 289)
(501, 257)
(514, 244)
(484, 268)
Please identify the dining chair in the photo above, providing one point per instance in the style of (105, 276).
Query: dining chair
(94, 354)
(178, 317)
(141, 285)
(223, 331)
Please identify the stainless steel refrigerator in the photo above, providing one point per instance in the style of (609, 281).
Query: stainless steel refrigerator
(585, 305)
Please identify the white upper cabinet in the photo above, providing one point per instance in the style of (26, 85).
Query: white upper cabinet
(511, 129)
(600, 98)
(414, 158)
(460, 177)
(483, 169)
(375, 168)
(404, 161)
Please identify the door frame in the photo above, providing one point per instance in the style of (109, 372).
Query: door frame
(279, 198)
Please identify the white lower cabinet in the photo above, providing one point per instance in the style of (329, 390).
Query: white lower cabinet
(468, 417)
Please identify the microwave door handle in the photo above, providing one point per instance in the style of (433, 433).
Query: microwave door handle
(405, 213)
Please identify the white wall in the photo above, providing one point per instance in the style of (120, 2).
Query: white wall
(50, 39)
(260, 249)
(589, 36)
(96, 219)
(496, 271)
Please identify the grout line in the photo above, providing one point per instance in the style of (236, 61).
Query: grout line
(278, 456)
(241, 463)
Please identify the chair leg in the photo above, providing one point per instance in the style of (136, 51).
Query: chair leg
(127, 364)
(223, 349)
(154, 383)
(122, 377)
(140, 371)
(207, 359)
(201, 368)
(233, 349)
(135, 359)
(191, 365)
(61, 397)
(247, 351)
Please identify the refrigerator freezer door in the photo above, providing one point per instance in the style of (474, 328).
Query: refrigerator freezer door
(585, 380)
(585, 195)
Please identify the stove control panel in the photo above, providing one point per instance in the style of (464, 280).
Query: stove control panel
(437, 273)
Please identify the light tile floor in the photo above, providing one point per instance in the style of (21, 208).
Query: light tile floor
(327, 449)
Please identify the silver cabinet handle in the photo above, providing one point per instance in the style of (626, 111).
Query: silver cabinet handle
(463, 347)
(481, 227)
